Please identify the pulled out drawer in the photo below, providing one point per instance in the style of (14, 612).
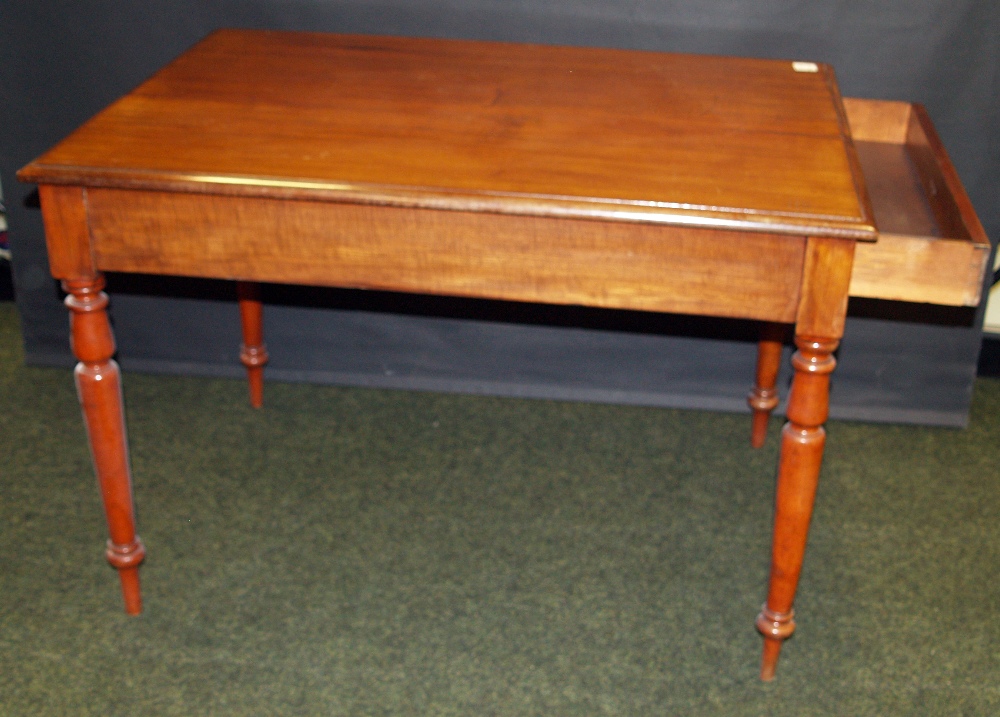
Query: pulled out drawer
(931, 247)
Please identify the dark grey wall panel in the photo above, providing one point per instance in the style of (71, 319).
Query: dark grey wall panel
(62, 62)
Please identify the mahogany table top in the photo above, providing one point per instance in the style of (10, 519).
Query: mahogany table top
(758, 145)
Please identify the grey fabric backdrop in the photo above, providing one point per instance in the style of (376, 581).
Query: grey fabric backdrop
(60, 62)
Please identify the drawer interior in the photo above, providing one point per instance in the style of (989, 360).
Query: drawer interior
(900, 204)
(931, 247)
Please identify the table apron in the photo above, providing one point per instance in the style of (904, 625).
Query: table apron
(557, 260)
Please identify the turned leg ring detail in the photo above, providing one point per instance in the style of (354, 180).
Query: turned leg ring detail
(776, 625)
(125, 556)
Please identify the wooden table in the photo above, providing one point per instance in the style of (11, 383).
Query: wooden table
(632, 180)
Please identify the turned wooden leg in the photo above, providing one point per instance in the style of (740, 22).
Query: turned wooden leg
(764, 397)
(802, 441)
(98, 383)
(253, 352)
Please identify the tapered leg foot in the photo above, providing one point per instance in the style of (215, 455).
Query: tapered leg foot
(127, 558)
(98, 383)
(764, 397)
(759, 423)
(253, 351)
(776, 628)
(802, 442)
(769, 661)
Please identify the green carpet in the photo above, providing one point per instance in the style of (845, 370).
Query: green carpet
(348, 551)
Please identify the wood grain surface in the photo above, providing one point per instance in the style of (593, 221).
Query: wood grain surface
(582, 132)
(526, 258)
